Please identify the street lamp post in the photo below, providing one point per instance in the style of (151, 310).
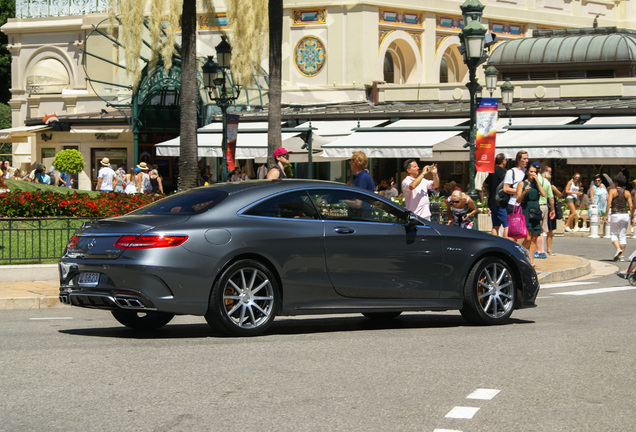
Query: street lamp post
(507, 94)
(472, 36)
(222, 91)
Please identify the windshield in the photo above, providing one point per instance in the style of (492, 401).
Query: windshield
(192, 201)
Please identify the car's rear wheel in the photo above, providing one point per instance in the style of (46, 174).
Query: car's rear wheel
(142, 320)
(244, 299)
(489, 292)
(381, 315)
(632, 279)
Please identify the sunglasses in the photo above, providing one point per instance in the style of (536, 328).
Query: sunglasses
(455, 202)
(286, 155)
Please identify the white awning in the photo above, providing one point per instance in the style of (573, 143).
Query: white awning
(337, 128)
(394, 144)
(571, 143)
(611, 120)
(100, 129)
(21, 133)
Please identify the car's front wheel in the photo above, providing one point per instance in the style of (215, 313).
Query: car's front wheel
(244, 299)
(142, 320)
(489, 292)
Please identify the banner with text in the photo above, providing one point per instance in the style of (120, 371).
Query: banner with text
(486, 134)
(232, 132)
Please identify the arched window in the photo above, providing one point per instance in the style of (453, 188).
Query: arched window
(48, 76)
(443, 71)
(389, 68)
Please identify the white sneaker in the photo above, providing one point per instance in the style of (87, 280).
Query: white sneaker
(568, 229)
(617, 254)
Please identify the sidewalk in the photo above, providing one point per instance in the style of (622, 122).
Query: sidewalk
(21, 287)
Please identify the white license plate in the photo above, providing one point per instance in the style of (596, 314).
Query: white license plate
(90, 279)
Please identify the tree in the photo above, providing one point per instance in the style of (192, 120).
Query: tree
(188, 130)
(7, 10)
(274, 117)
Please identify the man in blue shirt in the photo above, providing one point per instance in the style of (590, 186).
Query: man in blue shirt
(361, 177)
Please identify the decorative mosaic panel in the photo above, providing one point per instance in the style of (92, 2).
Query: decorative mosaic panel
(449, 22)
(438, 41)
(49, 8)
(401, 17)
(205, 24)
(382, 34)
(309, 16)
(508, 29)
(310, 56)
(417, 38)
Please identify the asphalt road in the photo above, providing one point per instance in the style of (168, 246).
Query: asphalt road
(567, 365)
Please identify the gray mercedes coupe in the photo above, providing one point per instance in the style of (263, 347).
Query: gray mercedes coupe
(242, 253)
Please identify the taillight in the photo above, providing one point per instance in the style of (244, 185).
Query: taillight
(72, 242)
(148, 241)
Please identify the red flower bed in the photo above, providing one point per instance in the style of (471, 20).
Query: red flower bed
(50, 203)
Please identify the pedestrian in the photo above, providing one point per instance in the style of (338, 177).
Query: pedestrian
(155, 182)
(361, 176)
(528, 192)
(498, 215)
(618, 199)
(598, 194)
(130, 181)
(37, 175)
(121, 173)
(546, 205)
(106, 177)
(415, 187)
(143, 179)
(65, 179)
(573, 194)
(281, 156)
(390, 191)
(514, 176)
(555, 213)
(461, 210)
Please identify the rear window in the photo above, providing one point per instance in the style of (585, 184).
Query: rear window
(192, 201)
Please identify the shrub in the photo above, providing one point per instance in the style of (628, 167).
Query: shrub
(70, 161)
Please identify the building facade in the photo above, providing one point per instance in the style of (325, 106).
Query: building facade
(380, 54)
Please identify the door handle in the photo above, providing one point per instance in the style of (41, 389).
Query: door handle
(344, 230)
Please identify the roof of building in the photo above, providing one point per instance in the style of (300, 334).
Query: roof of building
(563, 46)
(393, 110)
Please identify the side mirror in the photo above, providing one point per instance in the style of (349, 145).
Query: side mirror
(411, 221)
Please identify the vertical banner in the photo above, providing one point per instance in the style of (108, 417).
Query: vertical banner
(486, 135)
(232, 132)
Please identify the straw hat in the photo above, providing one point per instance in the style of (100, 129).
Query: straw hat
(143, 166)
(105, 162)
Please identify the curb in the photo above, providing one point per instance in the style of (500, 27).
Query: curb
(30, 303)
(583, 268)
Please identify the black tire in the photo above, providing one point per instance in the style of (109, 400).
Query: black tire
(381, 316)
(489, 292)
(244, 300)
(138, 320)
(632, 279)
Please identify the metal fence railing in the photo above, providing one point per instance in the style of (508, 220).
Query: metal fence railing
(35, 241)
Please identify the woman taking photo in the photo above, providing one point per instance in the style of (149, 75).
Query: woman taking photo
(461, 210)
(528, 192)
(573, 194)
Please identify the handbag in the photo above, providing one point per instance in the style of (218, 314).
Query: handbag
(558, 209)
(535, 214)
(517, 224)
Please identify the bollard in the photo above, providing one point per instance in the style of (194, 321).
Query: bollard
(593, 221)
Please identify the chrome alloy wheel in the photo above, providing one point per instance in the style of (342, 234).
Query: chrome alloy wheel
(495, 290)
(248, 298)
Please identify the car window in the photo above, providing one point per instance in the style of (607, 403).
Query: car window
(189, 202)
(350, 205)
(292, 205)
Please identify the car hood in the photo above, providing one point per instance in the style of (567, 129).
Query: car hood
(96, 239)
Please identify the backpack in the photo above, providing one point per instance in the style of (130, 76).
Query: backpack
(146, 185)
(501, 197)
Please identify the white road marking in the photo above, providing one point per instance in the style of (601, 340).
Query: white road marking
(597, 291)
(462, 412)
(565, 284)
(483, 394)
(51, 318)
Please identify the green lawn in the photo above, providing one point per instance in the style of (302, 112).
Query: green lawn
(35, 241)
